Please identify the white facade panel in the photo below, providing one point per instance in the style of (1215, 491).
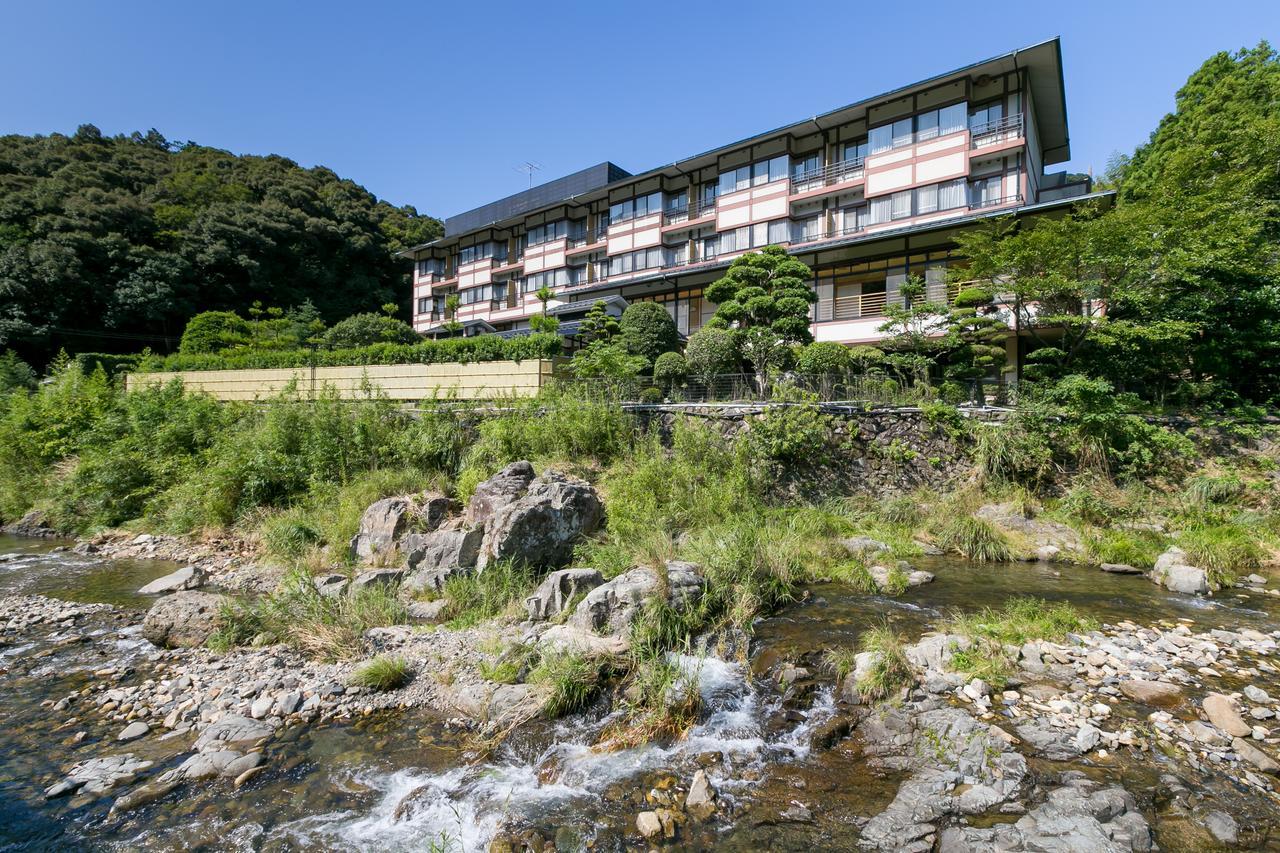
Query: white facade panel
(940, 168)
(886, 182)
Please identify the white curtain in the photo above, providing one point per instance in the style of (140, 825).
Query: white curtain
(881, 138)
(901, 204)
(927, 199)
(951, 194)
(952, 119)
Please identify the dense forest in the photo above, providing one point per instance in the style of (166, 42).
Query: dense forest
(113, 243)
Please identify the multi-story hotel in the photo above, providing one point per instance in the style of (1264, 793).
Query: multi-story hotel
(866, 195)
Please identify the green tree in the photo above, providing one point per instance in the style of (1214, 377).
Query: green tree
(825, 358)
(976, 337)
(767, 296)
(713, 351)
(647, 330)
(214, 331)
(15, 374)
(544, 323)
(669, 370)
(915, 326)
(598, 324)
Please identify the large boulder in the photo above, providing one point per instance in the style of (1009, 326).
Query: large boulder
(184, 619)
(187, 577)
(601, 622)
(541, 527)
(559, 590)
(1039, 533)
(1176, 574)
(505, 487)
(435, 557)
(387, 521)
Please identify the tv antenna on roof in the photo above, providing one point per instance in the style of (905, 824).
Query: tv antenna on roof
(529, 167)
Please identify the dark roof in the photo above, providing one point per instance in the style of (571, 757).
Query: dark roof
(552, 192)
(585, 305)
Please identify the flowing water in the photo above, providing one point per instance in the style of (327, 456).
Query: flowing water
(408, 782)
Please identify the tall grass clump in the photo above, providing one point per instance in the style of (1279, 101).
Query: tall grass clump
(325, 628)
(554, 426)
(477, 596)
(1207, 489)
(974, 539)
(1018, 621)
(573, 678)
(382, 673)
(1132, 547)
(1224, 551)
(889, 669)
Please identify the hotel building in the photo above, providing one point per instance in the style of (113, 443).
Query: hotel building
(865, 195)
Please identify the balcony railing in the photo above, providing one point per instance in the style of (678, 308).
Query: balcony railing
(858, 306)
(588, 239)
(687, 212)
(825, 176)
(996, 130)
(980, 204)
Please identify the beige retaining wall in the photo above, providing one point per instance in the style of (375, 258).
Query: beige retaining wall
(477, 381)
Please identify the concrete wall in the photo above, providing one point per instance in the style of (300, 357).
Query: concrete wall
(477, 381)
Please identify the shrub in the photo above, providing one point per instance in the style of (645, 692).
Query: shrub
(15, 374)
(974, 539)
(670, 370)
(362, 330)
(1012, 453)
(111, 363)
(712, 351)
(826, 358)
(796, 432)
(647, 330)
(382, 673)
(447, 351)
(1206, 489)
(213, 331)
(1132, 547)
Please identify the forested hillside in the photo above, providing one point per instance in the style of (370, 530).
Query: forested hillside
(129, 236)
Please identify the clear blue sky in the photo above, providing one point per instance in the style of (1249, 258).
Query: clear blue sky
(435, 104)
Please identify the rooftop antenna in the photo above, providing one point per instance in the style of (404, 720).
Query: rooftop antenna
(529, 167)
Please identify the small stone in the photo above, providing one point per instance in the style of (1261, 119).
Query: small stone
(133, 731)
(649, 825)
(1087, 738)
(1222, 714)
(1256, 694)
(261, 707)
(1222, 827)
(976, 689)
(701, 800)
(1255, 756)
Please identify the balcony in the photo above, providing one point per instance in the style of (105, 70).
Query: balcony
(689, 212)
(996, 131)
(858, 306)
(591, 238)
(829, 175)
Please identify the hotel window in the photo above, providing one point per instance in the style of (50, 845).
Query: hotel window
(806, 166)
(709, 193)
(927, 125)
(546, 233)
(635, 261)
(634, 208)
(855, 150)
(430, 266)
(424, 304)
(984, 117)
(550, 278)
(481, 251)
(475, 295)
(678, 201)
(808, 229)
(755, 174)
(985, 191)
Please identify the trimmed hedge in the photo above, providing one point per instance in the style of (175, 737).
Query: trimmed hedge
(447, 351)
(110, 362)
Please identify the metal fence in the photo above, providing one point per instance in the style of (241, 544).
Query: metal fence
(870, 389)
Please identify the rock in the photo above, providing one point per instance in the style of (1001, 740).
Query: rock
(143, 795)
(184, 619)
(503, 488)
(239, 766)
(429, 611)
(437, 556)
(934, 651)
(977, 689)
(1256, 756)
(541, 527)
(34, 524)
(1256, 694)
(1121, 569)
(701, 800)
(1158, 693)
(560, 589)
(261, 707)
(290, 703)
(187, 577)
(98, 775)
(649, 825)
(381, 527)
(331, 586)
(796, 812)
(1087, 738)
(1048, 742)
(1186, 579)
(1042, 534)
(134, 730)
(1174, 556)
(860, 546)
(376, 579)
(1222, 826)
(612, 607)
(1222, 713)
(233, 730)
